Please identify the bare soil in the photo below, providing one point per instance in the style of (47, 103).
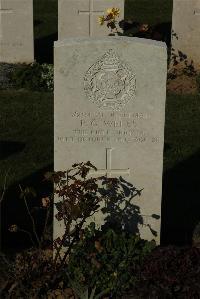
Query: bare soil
(183, 84)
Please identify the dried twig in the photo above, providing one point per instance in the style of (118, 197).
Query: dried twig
(4, 187)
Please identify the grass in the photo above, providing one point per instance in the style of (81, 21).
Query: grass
(27, 133)
(26, 118)
(182, 134)
(27, 122)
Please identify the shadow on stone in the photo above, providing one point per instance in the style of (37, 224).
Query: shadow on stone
(122, 214)
(120, 210)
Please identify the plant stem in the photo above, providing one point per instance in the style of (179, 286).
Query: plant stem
(28, 233)
(72, 243)
(46, 222)
(32, 219)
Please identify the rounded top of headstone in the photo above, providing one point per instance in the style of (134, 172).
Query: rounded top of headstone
(125, 39)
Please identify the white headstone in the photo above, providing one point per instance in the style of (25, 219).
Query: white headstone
(79, 18)
(186, 26)
(16, 31)
(110, 110)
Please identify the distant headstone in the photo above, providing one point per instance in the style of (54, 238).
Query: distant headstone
(110, 110)
(79, 18)
(16, 31)
(186, 29)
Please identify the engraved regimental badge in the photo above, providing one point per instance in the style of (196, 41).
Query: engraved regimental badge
(110, 83)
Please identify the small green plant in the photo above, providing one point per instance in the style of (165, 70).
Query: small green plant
(47, 76)
(6, 70)
(88, 262)
(33, 76)
(108, 260)
(83, 292)
(80, 197)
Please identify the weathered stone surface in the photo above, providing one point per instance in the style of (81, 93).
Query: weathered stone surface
(186, 26)
(110, 110)
(16, 31)
(79, 18)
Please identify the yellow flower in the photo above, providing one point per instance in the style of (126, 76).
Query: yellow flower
(115, 12)
(101, 20)
(109, 11)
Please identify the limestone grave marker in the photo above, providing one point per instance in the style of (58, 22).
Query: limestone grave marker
(16, 31)
(79, 18)
(109, 171)
(3, 11)
(109, 109)
(186, 26)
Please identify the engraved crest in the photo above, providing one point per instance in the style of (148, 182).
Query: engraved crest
(110, 83)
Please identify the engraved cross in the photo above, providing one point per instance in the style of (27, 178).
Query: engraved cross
(108, 171)
(90, 14)
(3, 11)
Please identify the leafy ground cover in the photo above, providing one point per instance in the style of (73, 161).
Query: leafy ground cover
(95, 264)
(169, 272)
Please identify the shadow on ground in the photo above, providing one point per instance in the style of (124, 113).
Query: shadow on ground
(13, 210)
(181, 202)
(8, 148)
(180, 205)
(44, 48)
